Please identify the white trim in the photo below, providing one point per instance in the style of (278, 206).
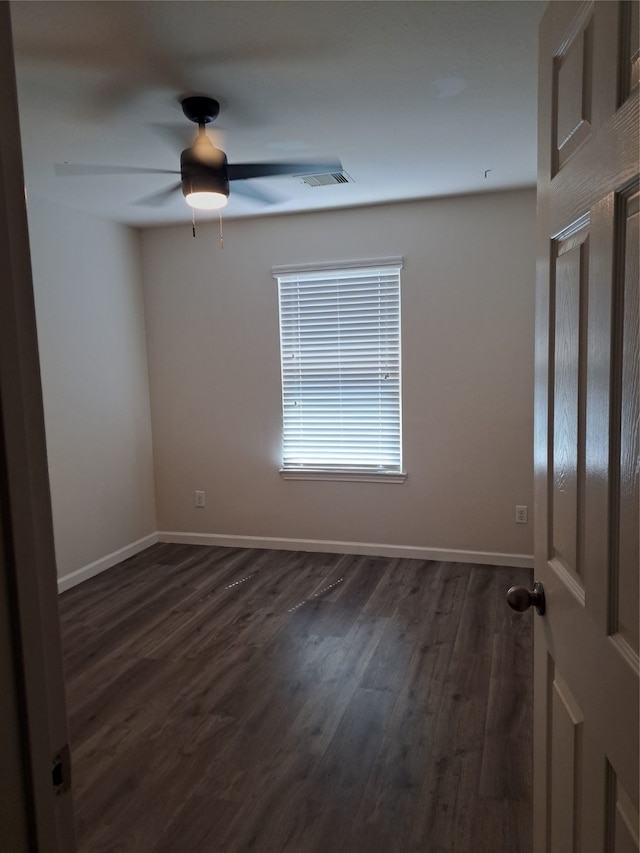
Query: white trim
(327, 546)
(343, 476)
(74, 578)
(365, 263)
(331, 547)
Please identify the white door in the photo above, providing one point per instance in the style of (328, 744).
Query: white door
(586, 431)
(35, 801)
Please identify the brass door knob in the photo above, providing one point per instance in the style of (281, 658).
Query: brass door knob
(521, 599)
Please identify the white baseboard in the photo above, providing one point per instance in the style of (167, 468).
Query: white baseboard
(329, 547)
(104, 563)
(325, 546)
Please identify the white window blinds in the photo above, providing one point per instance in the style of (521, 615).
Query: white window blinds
(340, 351)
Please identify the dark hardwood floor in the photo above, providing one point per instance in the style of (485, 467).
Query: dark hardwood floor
(225, 700)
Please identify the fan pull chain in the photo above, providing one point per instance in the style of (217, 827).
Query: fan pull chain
(193, 221)
(221, 235)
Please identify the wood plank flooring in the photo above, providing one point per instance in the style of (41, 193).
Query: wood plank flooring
(225, 700)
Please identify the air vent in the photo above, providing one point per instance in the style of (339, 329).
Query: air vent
(325, 179)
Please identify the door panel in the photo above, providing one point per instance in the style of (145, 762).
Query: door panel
(587, 412)
(566, 746)
(572, 88)
(630, 48)
(623, 836)
(625, 592)
(567, 364)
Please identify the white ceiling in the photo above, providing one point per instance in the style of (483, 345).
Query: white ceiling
(418, 99)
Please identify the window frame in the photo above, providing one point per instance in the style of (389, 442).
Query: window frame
(335, 472)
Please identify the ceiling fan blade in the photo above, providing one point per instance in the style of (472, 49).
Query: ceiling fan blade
(263, 170)
(66, 169)
(158, 199)
(176, 136)
(241, 187)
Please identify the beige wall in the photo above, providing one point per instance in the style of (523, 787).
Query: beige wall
(467, 323)
(91, 334)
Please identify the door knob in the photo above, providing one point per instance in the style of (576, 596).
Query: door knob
(521, 599)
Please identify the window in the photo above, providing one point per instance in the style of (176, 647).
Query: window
(340, 353)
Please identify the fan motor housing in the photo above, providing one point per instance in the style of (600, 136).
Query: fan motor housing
(200, 109)
(202, 177)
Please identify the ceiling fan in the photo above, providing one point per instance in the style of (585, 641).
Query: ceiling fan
(205, 174)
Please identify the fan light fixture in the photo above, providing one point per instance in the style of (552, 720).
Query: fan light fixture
(205, 184)
(205, 174)
(203, 200)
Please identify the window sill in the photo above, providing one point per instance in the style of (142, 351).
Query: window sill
(345, 476)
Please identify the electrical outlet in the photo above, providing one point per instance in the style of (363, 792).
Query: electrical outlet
(521, 515)
(199, 498)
